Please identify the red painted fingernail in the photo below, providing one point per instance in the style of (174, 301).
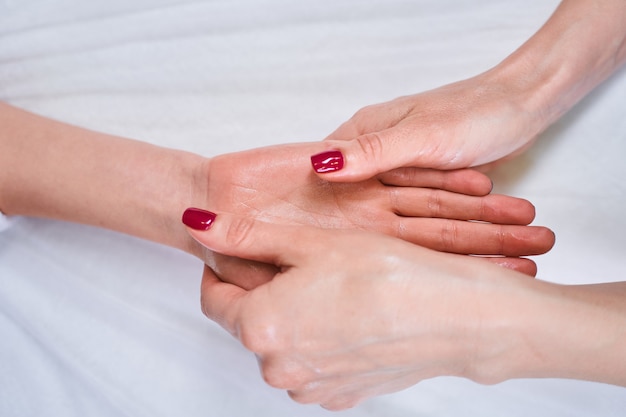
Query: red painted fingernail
(328, 161)
(198, 219)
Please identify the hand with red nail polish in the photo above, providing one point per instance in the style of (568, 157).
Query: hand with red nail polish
(427, 207)
(198, 219)
(353, 314)
(327, 161)
(450, 127)
(147, 188)
(493, 116)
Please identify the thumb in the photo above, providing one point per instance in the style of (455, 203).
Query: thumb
(365, 156)
(245, 237)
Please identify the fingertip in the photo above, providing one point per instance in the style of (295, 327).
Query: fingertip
(500, 208)
(251, 239)
(528, 211)
(522, 265)
(547, 236)
(199, 222)
(333, 166)
(327, 161)
(349, 161)
(232, 235)
(526, 267)
(471, 182)
(198, 219)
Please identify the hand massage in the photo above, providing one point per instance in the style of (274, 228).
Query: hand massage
(386, 264)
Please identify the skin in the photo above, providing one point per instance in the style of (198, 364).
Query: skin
(425, 207)
(494, 115)
(339, 355)
(353, 315)
(54, 170)
(334, 332)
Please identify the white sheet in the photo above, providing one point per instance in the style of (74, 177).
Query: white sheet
(100, 324)
(5, 222)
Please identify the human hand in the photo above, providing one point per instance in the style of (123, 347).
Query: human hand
(353, 314)
(469, 123)
(426, 207)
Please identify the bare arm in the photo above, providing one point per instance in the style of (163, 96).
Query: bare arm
(54, 170)
(577, 331)
(354, 315)
(494, 114)
(580, 46)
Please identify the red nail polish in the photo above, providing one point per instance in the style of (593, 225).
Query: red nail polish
(328, 161)
(198, 219)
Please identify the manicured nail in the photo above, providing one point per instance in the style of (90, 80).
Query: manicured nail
(328, 161)
(198, 219)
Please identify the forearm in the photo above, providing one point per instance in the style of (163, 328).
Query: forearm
(581, 45)
(601, 322)
(561, 331)
(53, 170)
(590, 340)
(553, 331)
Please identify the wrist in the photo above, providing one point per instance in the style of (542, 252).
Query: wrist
(64, 172)
(196, 179)
(535, 329)
(181, 181)
(581, 45)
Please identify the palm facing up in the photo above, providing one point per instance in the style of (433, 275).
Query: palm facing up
(449, 211)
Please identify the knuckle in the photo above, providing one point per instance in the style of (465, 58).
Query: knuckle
(434, 203)
(239, 232)
(501, 240)
(449, 235)
(441, 180)
(283, 375)
(363, 113)
(259, 338)
(372, 146)
(308, 394)
(398, 228)
(394, 198)
(275, 377)
(483, 210)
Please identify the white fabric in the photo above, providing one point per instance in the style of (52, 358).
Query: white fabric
(100, 324)
(4, 222)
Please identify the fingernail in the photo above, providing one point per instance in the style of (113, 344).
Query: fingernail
(328, 161)
(198, 219)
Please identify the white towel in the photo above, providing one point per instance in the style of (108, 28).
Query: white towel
(4, 222)
(94, 323)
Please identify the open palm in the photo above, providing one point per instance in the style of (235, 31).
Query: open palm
(449, 211)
